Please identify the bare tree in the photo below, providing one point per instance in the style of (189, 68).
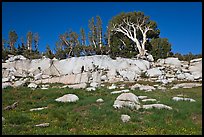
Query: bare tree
(29, 40)
(12, 39)
(131, 30)
(36, 40)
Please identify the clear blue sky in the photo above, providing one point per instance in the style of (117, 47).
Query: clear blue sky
(180, 22)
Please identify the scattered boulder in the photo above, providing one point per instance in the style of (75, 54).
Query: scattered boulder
(161, 88)
(38, 76)
(113, 86)
(127, 100)
(159, 106)
(100, 100)
(121, 91)
(5, 85)
(32, 85)
(146, 100)
(45, 86)
(142, 97)
(19, 83)
(180, 76)
(78, 86)
(14, 58)
(135, 86)
(91, 89)
(67, 98)
(127, 75)
(104, 78)
(188, 76)
(94, 84)
(153, 72)
(146, 88)
(43, 125)
(5, 80)
(173, 61)
(125, 118)
(36, 109)
(186, 85)
(183, 99)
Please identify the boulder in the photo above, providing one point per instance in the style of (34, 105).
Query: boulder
(135, 86)
(154, 72)
(125, 118)
(150, 58)
(36, 109)
(5, 85)
(100, 100)
(19, 83)
(68, 98)
(129, 100)
(121, 91)
(161, 88)
(113, 86)
(5, 80)
(43, 125)
(94, 84)
(147, 88)
(14, 58)
(196, 60)
(183, 99)
(38, 76)
(32, 85)
(78, 86)
(186, 85)
(143, 65)
(127, 75)
(142, 97)
(180, 76)
(189, 76)
(173, 61)
(91, 89)
(146, 100)
(104, 78)
(5, 73)
(196, 70)
(159, 106)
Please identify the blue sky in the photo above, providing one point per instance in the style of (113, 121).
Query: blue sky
(180, 22)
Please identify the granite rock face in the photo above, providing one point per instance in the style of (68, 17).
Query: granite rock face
(18, 70)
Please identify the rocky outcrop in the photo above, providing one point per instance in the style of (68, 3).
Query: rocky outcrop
(18, 70)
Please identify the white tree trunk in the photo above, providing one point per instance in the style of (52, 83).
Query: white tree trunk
(130, 30)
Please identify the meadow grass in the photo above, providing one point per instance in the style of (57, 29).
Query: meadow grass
(90, 118)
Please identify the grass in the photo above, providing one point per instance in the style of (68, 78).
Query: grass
(91, 118)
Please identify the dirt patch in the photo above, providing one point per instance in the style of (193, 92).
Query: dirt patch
(197, 119)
